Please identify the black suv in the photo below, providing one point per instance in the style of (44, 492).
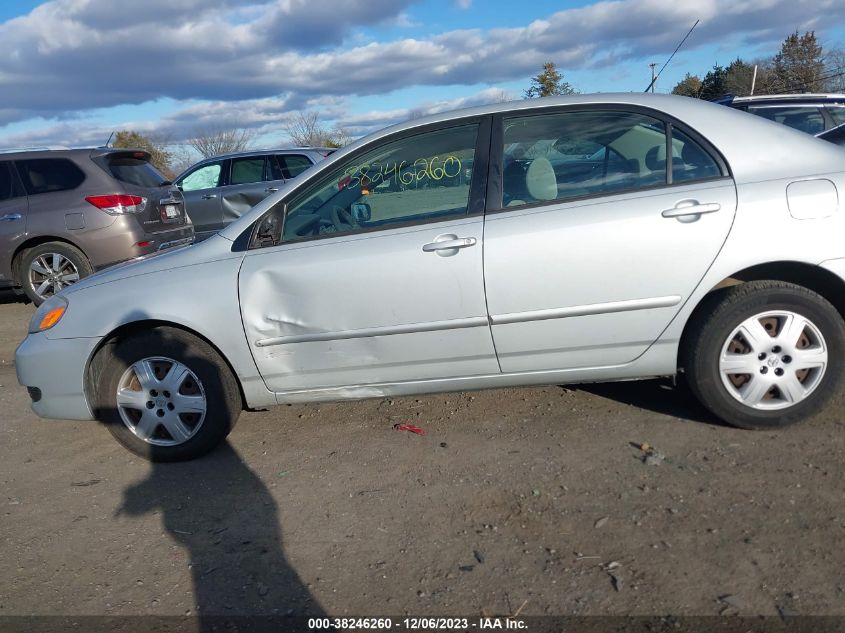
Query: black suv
(810, 113)
(66, 213)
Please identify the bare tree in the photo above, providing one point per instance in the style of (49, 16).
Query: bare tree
(305, 130)
(213, 142)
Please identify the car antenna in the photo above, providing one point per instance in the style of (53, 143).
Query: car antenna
(110, 137)
(657, 76)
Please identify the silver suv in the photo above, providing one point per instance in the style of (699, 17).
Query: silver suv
(66, 213)
(221, 189)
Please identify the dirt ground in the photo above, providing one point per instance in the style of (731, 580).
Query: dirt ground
(519, 498)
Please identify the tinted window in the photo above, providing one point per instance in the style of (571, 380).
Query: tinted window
(6, 187)
(560, 156)
(838, 114)
(690, 161)
(135, 171)
(805, 119)
(205, 177)
(293, 164)
(422, 177)
(247, 170)
(45, 175)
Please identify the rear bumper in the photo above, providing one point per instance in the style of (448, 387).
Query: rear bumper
(136, 243)
(54, 372)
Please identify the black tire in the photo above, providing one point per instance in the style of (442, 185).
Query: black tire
(70, 253)
(718, 318)
(214, 380)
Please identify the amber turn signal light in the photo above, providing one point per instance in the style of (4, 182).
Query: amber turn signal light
(51, 318)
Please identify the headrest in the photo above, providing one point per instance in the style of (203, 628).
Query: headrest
(653, 160)
(540, 180)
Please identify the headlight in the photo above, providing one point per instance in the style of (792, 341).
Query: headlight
(50, 313)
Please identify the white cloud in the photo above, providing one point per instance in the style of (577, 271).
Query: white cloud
(70, 56)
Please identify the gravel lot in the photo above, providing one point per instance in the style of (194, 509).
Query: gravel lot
(538, 499)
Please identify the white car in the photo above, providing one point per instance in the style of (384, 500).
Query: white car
(541, 242)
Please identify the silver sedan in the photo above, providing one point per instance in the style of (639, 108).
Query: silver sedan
(561, 240)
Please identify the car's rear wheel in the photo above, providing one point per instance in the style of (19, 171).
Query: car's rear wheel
(166, 395)
(765, 354)
(47, 268)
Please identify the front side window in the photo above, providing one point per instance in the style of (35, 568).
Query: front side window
(6, 183)
(419, 178)
(206, 177)
(559, 156)
(46, 175)
(248, 170)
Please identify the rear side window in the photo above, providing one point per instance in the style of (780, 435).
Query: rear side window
(838, 114)
(134, 171)
(571, 154)
(690, 161)
(805, 119)
(293, 164)
(46, 175)
(247, 170)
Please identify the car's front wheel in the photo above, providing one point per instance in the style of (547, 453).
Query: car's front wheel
(765, 354)
(165, 395)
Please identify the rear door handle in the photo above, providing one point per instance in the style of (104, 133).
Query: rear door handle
(271, 190)
(449, 244)
(10, 217)
(209, 196)
(691, 207)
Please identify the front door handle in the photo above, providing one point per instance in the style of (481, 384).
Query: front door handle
(209, 196)
(271, 190)
(690, 208)
(10, 217)
(449, 243)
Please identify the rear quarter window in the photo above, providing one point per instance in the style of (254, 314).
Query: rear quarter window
(46, 175)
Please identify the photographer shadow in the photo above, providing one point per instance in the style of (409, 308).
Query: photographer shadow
(227, 520)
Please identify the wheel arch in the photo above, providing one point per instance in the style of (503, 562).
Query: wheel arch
(32, 242)
(810, 276)
(134, 327)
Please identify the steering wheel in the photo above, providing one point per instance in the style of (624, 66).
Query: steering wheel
(342, 217)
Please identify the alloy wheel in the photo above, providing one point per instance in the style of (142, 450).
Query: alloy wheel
(50, 272)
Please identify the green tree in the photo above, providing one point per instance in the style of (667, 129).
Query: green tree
(738, 78)
(799, 66)
(160, 157)
(713, 84)
(689, 86)
(548, 83)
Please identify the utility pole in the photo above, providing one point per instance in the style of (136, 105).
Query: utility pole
(754, 80)
(652, 65)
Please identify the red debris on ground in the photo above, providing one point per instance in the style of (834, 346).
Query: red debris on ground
(409, 427)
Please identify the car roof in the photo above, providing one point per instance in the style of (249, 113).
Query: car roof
(786, 98)
(67, 152)
(264, 152)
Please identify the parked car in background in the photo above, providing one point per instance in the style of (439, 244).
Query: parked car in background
(834, 135)
(221, 189)
(810, 113)
(597, 238)
(66, 213)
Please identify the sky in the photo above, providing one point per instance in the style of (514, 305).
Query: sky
(73, 71)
